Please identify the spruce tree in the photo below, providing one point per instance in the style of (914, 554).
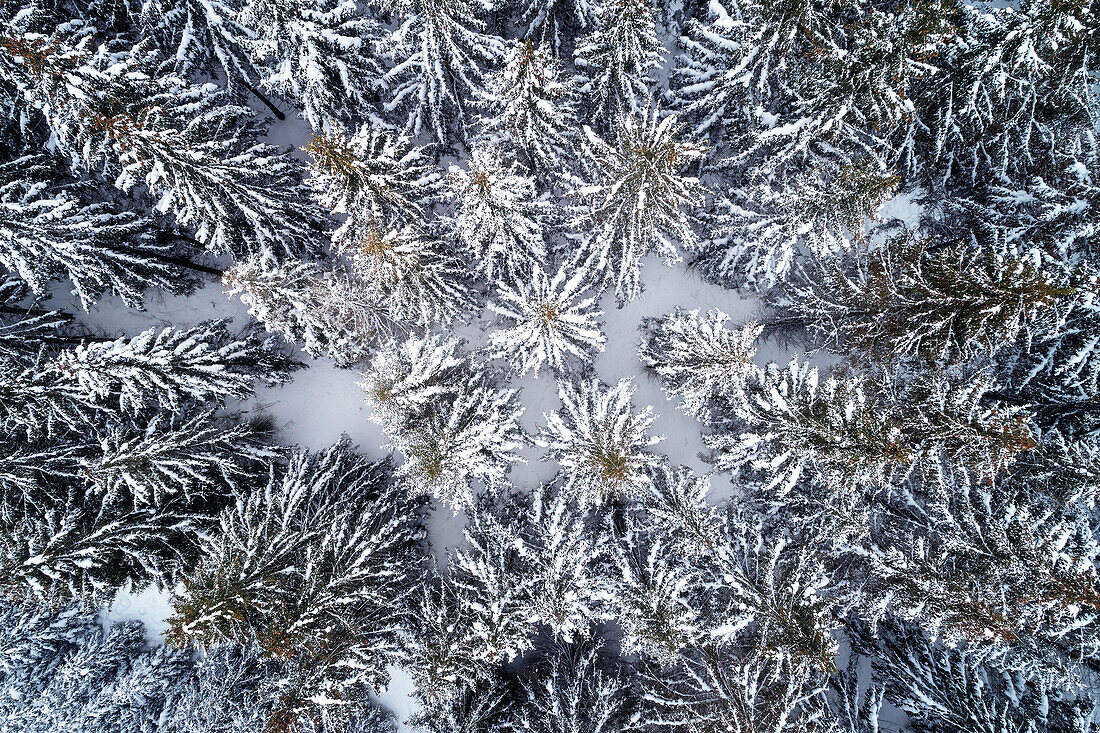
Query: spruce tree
(697, 358)
(553, 321)
(437, 56)
(500, 220)
(195, 151)
(318, 568)
(532, 108)
(641, 200)
(377, 178)
(618, 60)
(599, 440)
(316, 53)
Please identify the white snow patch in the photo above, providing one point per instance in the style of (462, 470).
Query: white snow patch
(398, 698)
(151, 606)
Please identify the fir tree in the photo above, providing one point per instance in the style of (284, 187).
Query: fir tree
(755, 692)
(554, 321)
(319, 307)
(945, 689)
(47, 232)
(575, 689)
(851, 432)
(697, 358)
(532, 108)
(35, 402)
(67, 545)
(404, 377)
(676, 504)
(107, 679)
(500, 220)
(225, 692)
(439, 652)
(618, 59)
(194, 150)
(375, 177)
(640, 202)
(63, 670)
(599, 441)
(649, 593)
(171, 366)
(317, 567)
(317, 53)
(437, 55)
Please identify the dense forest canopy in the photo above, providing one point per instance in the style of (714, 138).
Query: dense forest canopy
(911, 541)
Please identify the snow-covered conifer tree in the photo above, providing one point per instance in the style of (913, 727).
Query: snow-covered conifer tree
(451, 420)
(375, 177)
(562, 555)
(493, 584)
(725, 74)
(854, 432)
(641, 200)
(172, 458)
(34, 401)
(437, 56)
(316, 53)
(697, 358)
(553, 321)
(943, 302)
(318, 568)
(575, 688)
(225, 692)
(940, 687)
(550, 22)
(649, 594)
(483, 705)
(169, 366)
(69, 545)
(200, 37)
(472, 434)
(500, 219)
(410, 273)
(618, 60)
(676, 504)
(713, 685)
(759, 234)
(438, 645)
(47, 232)
(193, 149)
(599, 440)
(316, 306)
(405, 376)
(99, 677)
(532, 108)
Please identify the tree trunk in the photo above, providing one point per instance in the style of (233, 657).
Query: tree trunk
(267, 102)
(35, 312)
